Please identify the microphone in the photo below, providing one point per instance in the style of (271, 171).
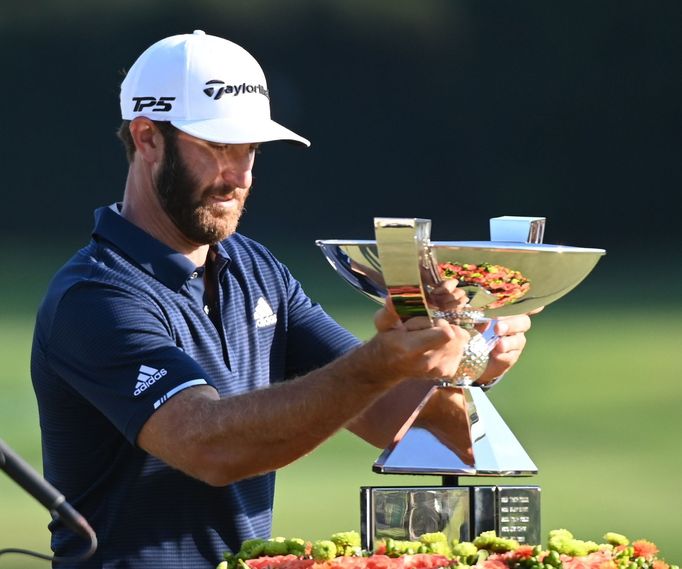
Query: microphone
(26, 477)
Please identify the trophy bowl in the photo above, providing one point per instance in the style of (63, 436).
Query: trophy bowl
(499, 278)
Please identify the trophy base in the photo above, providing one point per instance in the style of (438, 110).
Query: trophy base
(461, 512)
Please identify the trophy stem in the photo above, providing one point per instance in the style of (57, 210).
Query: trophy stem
(449, 481)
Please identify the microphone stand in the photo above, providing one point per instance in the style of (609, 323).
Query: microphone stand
(25, 476)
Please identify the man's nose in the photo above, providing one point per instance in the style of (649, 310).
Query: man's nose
(236, 170)
(238, 176)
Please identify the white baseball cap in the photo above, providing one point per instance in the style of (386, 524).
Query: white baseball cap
(205, 86)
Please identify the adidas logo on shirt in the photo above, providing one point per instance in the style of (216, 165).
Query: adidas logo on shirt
(147, 377)
(263, 314)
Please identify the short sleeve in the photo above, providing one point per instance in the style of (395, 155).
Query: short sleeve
(313, 337)
(116, 349)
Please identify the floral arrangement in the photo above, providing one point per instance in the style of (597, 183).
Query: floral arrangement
(504, 283)
(433, 551)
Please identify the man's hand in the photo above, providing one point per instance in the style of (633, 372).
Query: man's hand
(511, 331)
(417, 347)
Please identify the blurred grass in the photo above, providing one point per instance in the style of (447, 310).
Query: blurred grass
(595, 401)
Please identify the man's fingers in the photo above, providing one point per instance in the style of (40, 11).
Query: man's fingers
(512, 325)
(386, 318)
(440, 328)
(423, 336)
(510, 343)
(420, 346)
(511, 332)
(420, 323)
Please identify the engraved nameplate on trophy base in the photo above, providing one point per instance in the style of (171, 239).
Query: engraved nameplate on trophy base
(461, 512)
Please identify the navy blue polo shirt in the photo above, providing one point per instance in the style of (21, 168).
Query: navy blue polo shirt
(125, 325)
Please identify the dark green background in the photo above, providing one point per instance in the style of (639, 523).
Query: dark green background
(457, 111)
(451, 110)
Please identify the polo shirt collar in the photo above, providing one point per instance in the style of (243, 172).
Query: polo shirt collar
(163, 263)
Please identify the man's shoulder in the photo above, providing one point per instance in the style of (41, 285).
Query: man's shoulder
(79, 268)
(241, 248)
(240, 242)
(93, 264)
(93, 274)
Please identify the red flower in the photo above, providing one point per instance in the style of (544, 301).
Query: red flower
(597, 560)
(644, 548)
(379, 561)
(494, 562)
(660, 564)
(280, 562)
(523, 552)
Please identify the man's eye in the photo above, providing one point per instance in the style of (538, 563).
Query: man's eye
(255, 148)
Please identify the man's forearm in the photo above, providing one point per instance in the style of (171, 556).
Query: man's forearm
(380, 421)
(223, 440)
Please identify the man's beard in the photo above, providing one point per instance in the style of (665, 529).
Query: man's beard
(199, 219)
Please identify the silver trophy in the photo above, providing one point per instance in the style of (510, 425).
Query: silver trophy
(455, 430)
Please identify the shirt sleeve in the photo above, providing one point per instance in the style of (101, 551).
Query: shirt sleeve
(115, 348)
(314, 338)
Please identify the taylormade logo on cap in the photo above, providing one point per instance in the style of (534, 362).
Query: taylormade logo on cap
(206, 86)
(217, 88)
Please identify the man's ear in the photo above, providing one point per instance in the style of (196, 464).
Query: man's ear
(147, 138)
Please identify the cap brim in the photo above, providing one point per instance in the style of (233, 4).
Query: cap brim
(230, 131)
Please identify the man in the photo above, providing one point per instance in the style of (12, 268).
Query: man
(177, 364)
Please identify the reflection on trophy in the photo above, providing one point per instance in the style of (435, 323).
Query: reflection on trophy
(455, 430)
